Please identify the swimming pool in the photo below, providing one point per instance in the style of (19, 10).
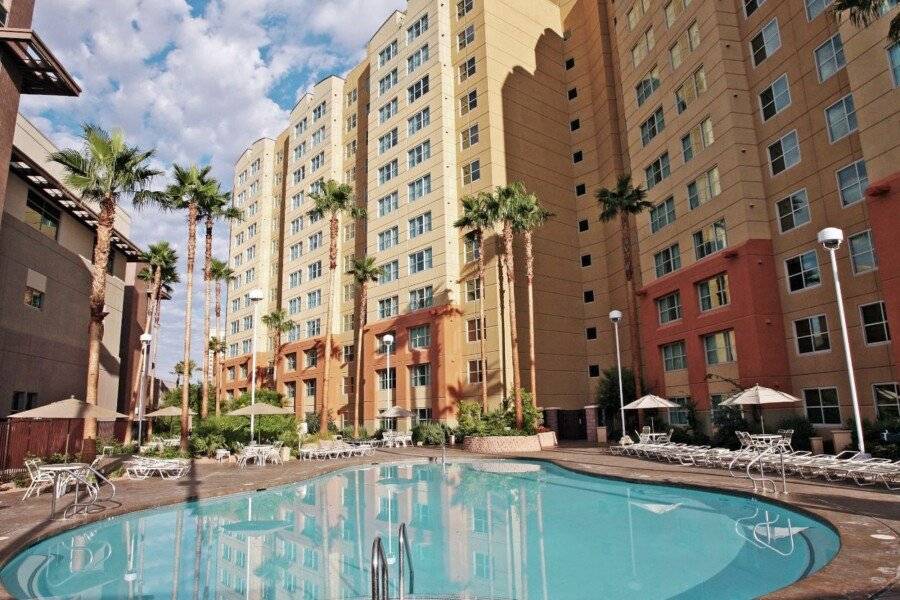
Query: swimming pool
(491, 529)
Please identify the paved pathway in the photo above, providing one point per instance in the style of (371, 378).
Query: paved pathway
(865, 567)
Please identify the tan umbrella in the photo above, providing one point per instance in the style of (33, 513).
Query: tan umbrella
(395, 412)
(650, 401)
(168, 411)
(70, 408)
(758, 396)
(260, 408)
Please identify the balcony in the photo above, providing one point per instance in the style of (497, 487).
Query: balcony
(40, 71)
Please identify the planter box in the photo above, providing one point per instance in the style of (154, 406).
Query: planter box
(842, 439)
(816, 445)
(547, 439)
(502, 444)
(601, 436)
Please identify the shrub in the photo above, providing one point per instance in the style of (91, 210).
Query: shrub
(501, 421)
(213, 433)
(608, 398)
(430, 433)
(872, 432)
(803, 430)
(728, 420)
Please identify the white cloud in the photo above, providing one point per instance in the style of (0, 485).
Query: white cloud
(195, 86)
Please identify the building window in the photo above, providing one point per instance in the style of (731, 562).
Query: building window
(580, 189)
(793, 211)
(674, 356)
(475, 371)
(591, 333)
(812, 335)
(784, 153)
(388, 110)
(713, 292)
(658, 170)
(388, 307)
(389, 272)
(815, 7)
(577, 156)
(588, 296)
(474, 330)
(23, 401)
(585, 260)
(575, 125)
(310, 358)
(470, 136)
(699, 137)
(662, 214)
(420, 375)
(894, 62)
(719, 347)
(572, 93)
(652, 126)
(686, 43)
(803, 271)
(667, 260)
(417, 28)
(464, 7)
(841, 118)
(750, 6)
(418, 121)
(421, 298)
(467, 69)
(313, 328)
(583, 225)
(646, 86)
(387, 379)
(418, 188)
(690, 90)
(593, 371)
(42, 215)
(471, 247)
(419, 337)
(465, 37)
(862, 252)
(473, 290)
(417, 90)
(420, 261)
(388, 171)
(704, 188)
(765, 43)
(669, 308)
(640, 50)
(419, 225)
(388, 204)
(875, 324)
(349, 353)
(388, 239)
(387, 141)
(290, 361)
(471, 172)
(822, 406)
(710, 239)
(830, 57)
(468, 102)
(887, 400)
(679, 416)
(34, 298)
(417, 59)
(852, 182)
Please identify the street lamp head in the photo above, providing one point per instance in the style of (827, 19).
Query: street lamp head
(388, 339)
(831, 238)
(615, 316)
(146, 338)
(256, 295)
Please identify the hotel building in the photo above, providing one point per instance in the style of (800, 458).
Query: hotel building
(751, 124)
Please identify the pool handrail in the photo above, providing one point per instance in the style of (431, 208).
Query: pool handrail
(379, 572)
(403, 550)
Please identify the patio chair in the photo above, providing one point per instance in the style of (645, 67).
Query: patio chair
(39, 480)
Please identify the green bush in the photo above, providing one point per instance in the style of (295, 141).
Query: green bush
(608, 398)
(875, 444)
(213, 433)
(430, 433)
(803, 430)
(501, 421)
(728, 420)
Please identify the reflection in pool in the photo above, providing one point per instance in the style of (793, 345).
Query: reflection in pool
(502, 529)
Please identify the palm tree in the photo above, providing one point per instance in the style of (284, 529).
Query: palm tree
(219, 271)
(213, 205)
(509, 197)
(623, 202)
(179, 371)
(334, 199)
(104, 171)
(865, 12)
(191, 185)
(530, 216)
(480, 214)
(279, 323)
(159, 257)
(169, 278)
(363, 271)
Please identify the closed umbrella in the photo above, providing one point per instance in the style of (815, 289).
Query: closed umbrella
(650, 401)
(759, 396)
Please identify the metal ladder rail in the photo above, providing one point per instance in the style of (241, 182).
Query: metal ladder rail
(403, 550)
(380, 574)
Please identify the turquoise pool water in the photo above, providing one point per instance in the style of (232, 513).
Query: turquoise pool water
(493, 529)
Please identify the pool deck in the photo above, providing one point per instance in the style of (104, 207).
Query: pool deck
(866, 566)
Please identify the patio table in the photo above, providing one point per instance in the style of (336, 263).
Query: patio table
(59, 472)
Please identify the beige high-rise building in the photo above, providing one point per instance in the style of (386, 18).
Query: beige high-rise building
(751, 125)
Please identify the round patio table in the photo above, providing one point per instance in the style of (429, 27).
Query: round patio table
(58, 472)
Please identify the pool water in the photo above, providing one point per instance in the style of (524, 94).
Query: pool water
(488, 529)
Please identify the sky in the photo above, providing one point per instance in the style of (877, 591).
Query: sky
(199, 81)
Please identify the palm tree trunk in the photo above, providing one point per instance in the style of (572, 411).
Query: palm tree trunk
(358, 391)
(483, 325)
(189, 291)
(633, 329)
(513, 334)
(207, 284)
(332, 264)
(216, 362)
(139, 380)
(98, 313)
(529, 266)
(156, 320)
(279, 347)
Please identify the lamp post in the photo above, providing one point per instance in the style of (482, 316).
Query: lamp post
(831, 238)
(256, 295)
(388, 341)
(146, 338)
(616, 316)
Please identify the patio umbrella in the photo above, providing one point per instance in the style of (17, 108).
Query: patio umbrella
(650, 401)
(168, 411)
(70, 408)
(395, 412)
(759, 396)
(260, 408)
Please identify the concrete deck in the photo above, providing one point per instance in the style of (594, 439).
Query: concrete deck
(866, 567)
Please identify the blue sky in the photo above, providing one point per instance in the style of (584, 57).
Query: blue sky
(198, 80)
